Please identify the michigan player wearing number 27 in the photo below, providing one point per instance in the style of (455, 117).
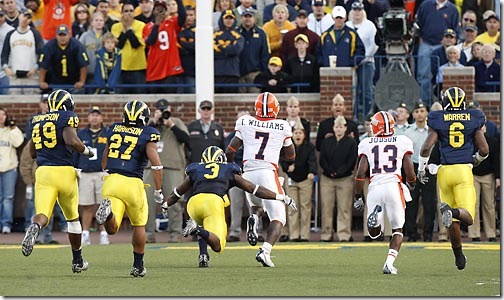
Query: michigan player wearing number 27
(211, 179)
(458, 130)
(130, 144)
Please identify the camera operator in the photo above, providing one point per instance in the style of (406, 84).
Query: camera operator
(171, 151)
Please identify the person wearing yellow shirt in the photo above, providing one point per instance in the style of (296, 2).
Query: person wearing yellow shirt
(277, 27)
(492, 24)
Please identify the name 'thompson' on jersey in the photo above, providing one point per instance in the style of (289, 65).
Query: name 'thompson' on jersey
(262, 141)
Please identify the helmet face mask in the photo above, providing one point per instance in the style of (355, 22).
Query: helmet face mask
(60, 100)
(266, 105)
(382, 124)
(454, 99)
(136, 112)
(213, 154)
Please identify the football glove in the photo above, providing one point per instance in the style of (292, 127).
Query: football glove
(164, 209)
(422, 177)
(158, 196)
(87, 151)
(411, 185)
(477, 158)
(358, 203)
(290, 202)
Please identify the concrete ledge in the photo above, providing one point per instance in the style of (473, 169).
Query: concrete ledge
(465, 71)
(339, 71)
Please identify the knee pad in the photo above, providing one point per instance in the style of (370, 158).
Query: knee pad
(74, 227)
(375, 237)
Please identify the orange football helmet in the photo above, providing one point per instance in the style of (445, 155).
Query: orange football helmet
(266, 105)
(382, 124)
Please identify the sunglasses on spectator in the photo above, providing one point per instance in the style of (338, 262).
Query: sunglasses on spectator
(206, 108)
(469, 20)
(128, 11)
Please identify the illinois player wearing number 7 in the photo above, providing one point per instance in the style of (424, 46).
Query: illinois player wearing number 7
(264, 139)
(384, 154)
(129, 145)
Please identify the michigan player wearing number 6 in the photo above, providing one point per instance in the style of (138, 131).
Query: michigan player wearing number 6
(54, 135)
(211, 180)
(130, 144)
(384, 154)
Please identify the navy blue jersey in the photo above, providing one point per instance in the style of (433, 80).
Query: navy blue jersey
(455, 131)
(215, 178)
(127, 155)
(47, 137)
(97, 140)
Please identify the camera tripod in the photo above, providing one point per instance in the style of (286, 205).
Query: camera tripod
(397, 57)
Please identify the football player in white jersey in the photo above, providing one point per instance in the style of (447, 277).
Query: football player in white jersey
(384, 154)
(264, 139)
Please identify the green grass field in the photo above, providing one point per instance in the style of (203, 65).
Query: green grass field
(302, 269)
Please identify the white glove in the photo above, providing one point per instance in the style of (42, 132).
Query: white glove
(477, 158)
(422, 177)
(87, 151)
(164, 208)
(29, 192)
(290, 202)
(358, 203)
(158, 196)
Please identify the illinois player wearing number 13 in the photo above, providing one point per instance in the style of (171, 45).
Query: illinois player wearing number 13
(263, 138)
(457, 130)
(129, 145)
(54, 135)
(384, 154)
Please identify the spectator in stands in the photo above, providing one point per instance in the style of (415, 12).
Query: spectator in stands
(273, 80)
(475, 53)
(255, 54)
(492, 25)
(115, 10)
(336, 181)
(439, 56)
(228, 45)
(468, 19)
(133, 63)
(366, 69)
(300, 183)
(163, 60)
(277, 27)
(187, 52)
(247, 5)
(325, 131)
(478, 8)
(318, 20)
(37, 8)
(453, 54)
(288, 49)
(11, 137)
(417, 132)
(56, 12)
(146, 15)
(469, 34)
(4, 30)
(487, 71)
(269, 11)
(92, 41)
(402, 119)
(303, 67)
(103, 6)
(342, 41)
(108, 65)
(20, 53)
(486, 182)
(11, 13)
(63, 62)
(433, 18)
(82, 20)
(220, 7)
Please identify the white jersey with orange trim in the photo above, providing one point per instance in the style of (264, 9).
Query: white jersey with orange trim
(262, 141)
(385, 155)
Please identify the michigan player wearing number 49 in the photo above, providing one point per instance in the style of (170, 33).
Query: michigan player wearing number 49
(384, 154)
(54, 135)
(129, 145)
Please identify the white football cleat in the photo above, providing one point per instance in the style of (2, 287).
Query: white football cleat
(264, 258)
(389, 269)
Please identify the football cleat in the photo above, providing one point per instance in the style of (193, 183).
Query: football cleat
(191, 228)
(264, 259)
(461, 261)
(29, 239)
(79, 267)
(103, 212)
(203, 260)
(372, 220)
(389, 269)
(252, 229)
(104, 238)
(447, 217)
(86, 240)
(138, 272)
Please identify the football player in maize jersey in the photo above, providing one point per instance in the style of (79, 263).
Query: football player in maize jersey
(458, 130)
(211, 180)
(54, 135)
(129, 145)
(384, 154)
(264, 139)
